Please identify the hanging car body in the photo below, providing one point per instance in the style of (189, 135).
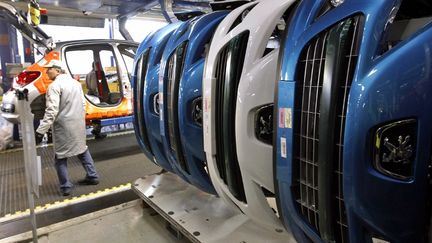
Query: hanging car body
(239, 81)
(180, 86)
(145, 81)
(102, 67)
(353, 140)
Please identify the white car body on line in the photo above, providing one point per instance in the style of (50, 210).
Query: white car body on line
(255, 90)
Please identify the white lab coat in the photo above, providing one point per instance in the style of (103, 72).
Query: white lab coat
(65, 110)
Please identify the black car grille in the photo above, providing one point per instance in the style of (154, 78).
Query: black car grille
(324, 74)
(229, 67)
(141, 72)
(175, 69)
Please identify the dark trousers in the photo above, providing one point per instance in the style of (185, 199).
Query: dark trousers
(62, 171)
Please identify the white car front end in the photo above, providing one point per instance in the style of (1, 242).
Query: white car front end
(255, 92)
(9, 106)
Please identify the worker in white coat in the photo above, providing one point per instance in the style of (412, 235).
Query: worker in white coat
(65, 112)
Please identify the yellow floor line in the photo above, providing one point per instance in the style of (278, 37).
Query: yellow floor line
(66, 202)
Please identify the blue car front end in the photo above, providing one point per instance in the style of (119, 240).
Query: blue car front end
(146, 92)
(180, 82)
(353, 142)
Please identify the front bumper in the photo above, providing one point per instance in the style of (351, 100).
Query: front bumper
(387, 86)
(9, 108)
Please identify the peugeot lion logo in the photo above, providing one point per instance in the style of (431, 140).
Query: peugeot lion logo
(398, 154)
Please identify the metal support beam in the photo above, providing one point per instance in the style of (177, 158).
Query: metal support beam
(123, 18)
(122, 28)
(8, 51)
(116, 121)
(32, 162)
(28, 51)
(167, 11)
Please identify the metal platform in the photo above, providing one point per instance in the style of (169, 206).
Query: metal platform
(118, 161)
(199, 216)
(132, 221)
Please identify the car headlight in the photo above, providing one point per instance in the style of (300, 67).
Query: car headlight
(8, 108)
(395, 148)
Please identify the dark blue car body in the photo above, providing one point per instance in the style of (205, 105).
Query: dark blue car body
(353, 128)
(145, 81)
(180, 82)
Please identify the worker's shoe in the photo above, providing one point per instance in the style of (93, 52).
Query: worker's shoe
(88, 181)
(66, 191)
